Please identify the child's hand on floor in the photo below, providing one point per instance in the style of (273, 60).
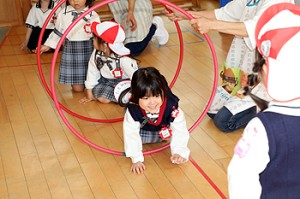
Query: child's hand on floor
(177, 159)
(89, 97)
(138, 168)
(85, 100)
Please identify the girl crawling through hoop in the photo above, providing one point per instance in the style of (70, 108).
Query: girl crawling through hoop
(153, 115)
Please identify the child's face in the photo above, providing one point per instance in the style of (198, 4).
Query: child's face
(78, 5)
(151, 103)
(100, 46)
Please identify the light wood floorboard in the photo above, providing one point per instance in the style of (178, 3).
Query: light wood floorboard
(40, 157)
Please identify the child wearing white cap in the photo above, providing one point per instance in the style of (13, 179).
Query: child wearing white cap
(266, 159)
(109, 64)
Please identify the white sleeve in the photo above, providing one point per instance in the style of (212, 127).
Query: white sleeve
(231, 12)
(251, 156)
(31, 17)
(53, 38)
(180, 136)
(93, 74)
(129, 66)
(132, 139)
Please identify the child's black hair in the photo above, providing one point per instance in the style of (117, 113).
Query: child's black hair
(97, 59)
(148, 81)
(88, 3)
(50, 6)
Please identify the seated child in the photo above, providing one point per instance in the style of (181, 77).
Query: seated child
(35, 20)
(109, 63)
(78, 44)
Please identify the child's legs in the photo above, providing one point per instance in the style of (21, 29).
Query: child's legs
(104, 90)
(78, 87)
(137, 48)
(34, 37)
(227, 122)
(74, 63)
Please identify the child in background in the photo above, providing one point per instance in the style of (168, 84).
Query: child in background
(237, 18)
(266, 159)
(153, 115)
(109, 63)
(136, 16)
(78, 45)
(35, 20)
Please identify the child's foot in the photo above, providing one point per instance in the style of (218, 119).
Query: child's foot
(161, 32)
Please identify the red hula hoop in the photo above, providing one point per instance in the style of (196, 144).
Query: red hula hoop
(60, 107)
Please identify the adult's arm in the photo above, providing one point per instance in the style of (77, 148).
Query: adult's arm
(175, 15)
(130, 16)
(204, 25)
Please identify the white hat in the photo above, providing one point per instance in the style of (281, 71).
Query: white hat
(278, 40)
(113, 34)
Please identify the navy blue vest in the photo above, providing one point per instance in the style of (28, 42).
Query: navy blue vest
(281, 178)
(165, 114)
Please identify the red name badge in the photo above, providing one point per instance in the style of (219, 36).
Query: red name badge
(87, 28)
(117, 73)
(165, 133)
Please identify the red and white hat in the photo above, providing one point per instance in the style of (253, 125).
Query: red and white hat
(113, 34)
(277, 36)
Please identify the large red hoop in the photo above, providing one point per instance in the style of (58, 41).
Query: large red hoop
(60, 107)
(68, 110)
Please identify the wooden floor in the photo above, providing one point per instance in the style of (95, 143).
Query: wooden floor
(40, 157)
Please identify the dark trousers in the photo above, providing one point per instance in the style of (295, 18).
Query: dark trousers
(137, 48)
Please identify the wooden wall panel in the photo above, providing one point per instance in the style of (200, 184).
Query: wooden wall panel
(10, 12)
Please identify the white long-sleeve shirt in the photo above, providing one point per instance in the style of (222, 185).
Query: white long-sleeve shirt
(80, 32)
(133, 143)
(127, 64)
(251, 155)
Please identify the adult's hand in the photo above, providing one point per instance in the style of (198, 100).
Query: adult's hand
(174, 15)
(131, 19)
(202, 24)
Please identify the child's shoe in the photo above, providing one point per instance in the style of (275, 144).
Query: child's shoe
(161, 32)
